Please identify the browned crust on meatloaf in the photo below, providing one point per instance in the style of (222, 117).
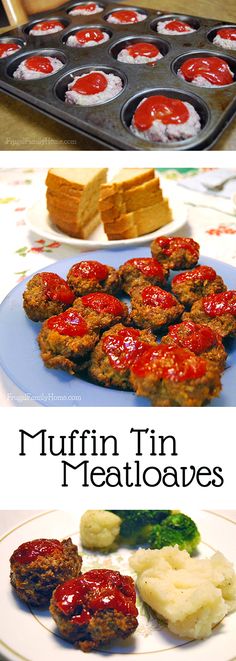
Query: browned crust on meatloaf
(100, 369)
(154, 318)
(100, 320)
(131, 278)
(189, 292)
(71, 354)
(81, 286)
(181, 258)
(194, 392)
(103, 627)
(36, 304)
(224, 324)
(34, 582)
(216, 354)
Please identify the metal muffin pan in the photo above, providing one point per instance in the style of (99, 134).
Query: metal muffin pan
(108, 123)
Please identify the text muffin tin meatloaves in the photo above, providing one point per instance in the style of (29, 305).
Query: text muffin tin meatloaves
(190, 117)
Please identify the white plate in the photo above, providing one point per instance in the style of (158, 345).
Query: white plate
(38, 220)
(30, 634)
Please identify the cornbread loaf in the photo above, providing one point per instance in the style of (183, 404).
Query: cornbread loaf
(72, 199)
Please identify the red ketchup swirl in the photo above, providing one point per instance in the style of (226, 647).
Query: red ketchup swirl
(30, 551)
(195, 337)
(227, 33)
(39, 63)
(125, 16)
(213, 69)
(68, 323)
(91, 83)
(171, 363)
(96, 590)
(216, 305)
(148, 266)
(123, 348)
(90, 6)
(157, 297)
(143, 49)
(170, 245)
(162, 108)
(56, 289)
(47, 25)
(89, 34)
(177, 26)
(103, 303)
(7, 49)
(90, 270)
(200, 274)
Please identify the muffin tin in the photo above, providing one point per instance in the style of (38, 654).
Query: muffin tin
(108, 123)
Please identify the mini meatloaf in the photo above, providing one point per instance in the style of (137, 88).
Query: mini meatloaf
(200, 339)
(217, 311)
(66, 341)
(175, 252)
(172, 376)
(95, 608)
(46, 294)
(114, 355)
(89, 276)
(38, 566)
(153, 308)
(142, 271)
(101, 311)
(192, 285)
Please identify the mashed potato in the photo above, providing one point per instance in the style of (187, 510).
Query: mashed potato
(191, 594)
(99, 529)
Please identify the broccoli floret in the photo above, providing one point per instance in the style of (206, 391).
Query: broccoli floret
(136, 525)
(175, 529)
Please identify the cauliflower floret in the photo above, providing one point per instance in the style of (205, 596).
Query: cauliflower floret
(191, 594)
(99, 529)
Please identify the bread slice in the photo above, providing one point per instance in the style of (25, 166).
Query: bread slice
(142, 221)
(126, 179)
(136, 198)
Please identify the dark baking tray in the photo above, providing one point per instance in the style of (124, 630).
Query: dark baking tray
(107, 123)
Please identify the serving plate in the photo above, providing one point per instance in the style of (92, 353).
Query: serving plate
(29, 634)
(20, 357)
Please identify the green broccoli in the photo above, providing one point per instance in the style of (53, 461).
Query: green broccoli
(136, 525)
(175, 529)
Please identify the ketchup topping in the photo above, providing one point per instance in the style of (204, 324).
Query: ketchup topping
(199, 274)
(56, 289)
(123, 348)
(177, 26)
(90, 270)
(217, 304)
(68, 323)
(89, 34)
(170, 245)
(39, 63)
(90, 83)
(162, 108)
(144, 49)
(227, 33)
(157, 297)
(125, 16)
(90, 6)
(170, 363)
(195, 337)
(103, 303)
(148, 266)
(98, 589)
(47, 25)
(213, 69)
(30, 551)
(7, 49)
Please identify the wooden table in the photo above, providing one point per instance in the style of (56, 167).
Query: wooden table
(27, 129)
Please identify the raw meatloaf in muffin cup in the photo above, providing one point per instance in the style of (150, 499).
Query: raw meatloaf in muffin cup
(142, 271)
(101, 310)
(46, 294)
(38, 566)
(172, 376)
(95, 609)
(217, 311)
(226, 38)
(87, 277)
(159, 118)
(192, 285)
(206, 71)
(66, 341)
(115, 353)
(154, 308)
(200, 339)
(175, 252)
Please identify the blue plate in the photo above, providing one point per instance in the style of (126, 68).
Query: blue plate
(20, 358)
